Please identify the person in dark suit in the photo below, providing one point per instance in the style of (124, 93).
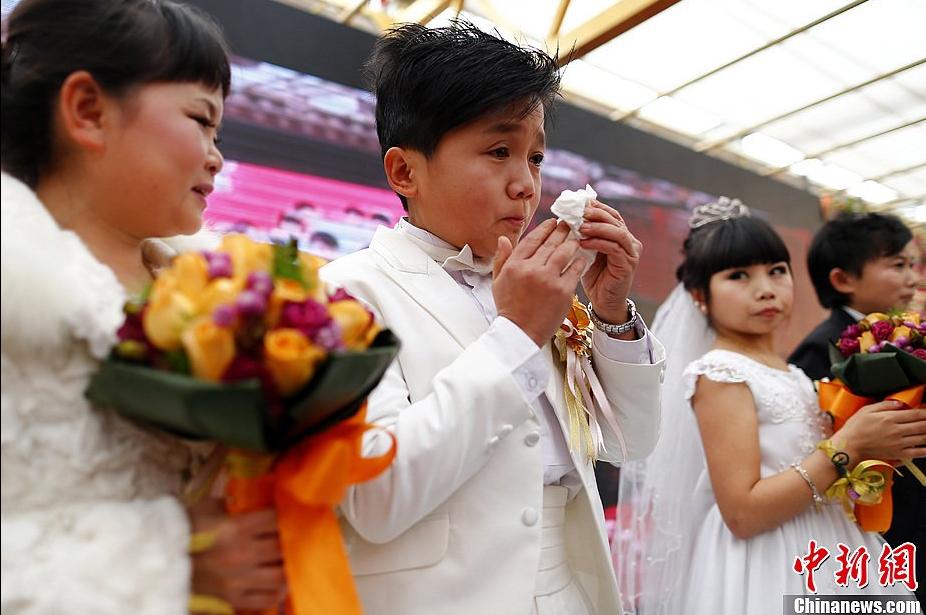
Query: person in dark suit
(812, 355)
(859, 264)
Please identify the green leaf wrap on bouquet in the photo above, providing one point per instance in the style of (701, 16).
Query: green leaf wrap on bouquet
(236, 414)
(879, 374)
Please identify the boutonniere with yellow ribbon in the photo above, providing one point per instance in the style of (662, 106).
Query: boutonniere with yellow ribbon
(586, 401)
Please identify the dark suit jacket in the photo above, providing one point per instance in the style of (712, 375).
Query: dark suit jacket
(909, 524)
(813, 354)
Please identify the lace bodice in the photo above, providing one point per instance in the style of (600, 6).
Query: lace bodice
(790, 420)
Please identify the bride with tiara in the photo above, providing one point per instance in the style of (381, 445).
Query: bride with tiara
(731, 496)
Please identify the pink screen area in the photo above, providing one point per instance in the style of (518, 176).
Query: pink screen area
(328, 217)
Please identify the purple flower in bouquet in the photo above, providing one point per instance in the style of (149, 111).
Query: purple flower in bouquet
(308, 316)
(219, 263)
(882, 330)
(329, 337)
(243, 367)
(260, 282)
(853, 331)
(132, 328)
(340, 295)
(251, 303)
(225, 315)
(848, 346)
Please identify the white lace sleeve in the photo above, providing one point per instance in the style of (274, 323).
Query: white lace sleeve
(716, 366)
(97, 557)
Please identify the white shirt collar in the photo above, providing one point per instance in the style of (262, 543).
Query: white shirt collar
(855, 314)
(449, 257)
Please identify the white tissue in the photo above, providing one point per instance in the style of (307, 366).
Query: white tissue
(570, 208)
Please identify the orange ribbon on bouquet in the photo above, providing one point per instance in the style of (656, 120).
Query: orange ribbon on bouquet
(305, 485)
(841, 404)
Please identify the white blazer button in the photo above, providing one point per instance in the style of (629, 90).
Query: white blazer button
(530, 517)
(532, 438)
(532, 383)
(493, 441)
(504, 430)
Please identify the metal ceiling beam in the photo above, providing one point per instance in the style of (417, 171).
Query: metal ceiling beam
(741, 133)
(352, 11)
(865, 138)
(848, 144)
(915, 167)
(558, 17)
(614, 20)
(746, 56)
(905, 199)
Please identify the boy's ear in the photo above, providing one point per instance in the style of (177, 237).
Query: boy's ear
(843, 281)
(82, 105)
(401, 171)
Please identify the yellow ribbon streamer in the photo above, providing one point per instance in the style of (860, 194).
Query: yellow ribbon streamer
(209, 605)
(200, 603)
(586, 402)
(246, 464)
(201, 541)
(915, 471)
(580, 433)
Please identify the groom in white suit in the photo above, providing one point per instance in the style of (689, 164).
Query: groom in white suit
(487, 508)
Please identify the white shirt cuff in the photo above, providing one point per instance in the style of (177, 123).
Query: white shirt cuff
(638, 351)
(520, 355)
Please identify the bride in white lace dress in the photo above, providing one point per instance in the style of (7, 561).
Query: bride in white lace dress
(111, 131)
(726, 503)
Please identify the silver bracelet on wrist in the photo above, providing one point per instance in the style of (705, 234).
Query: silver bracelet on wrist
(612, 329)
(817, 498)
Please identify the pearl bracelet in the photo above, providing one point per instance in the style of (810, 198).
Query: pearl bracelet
(817, 498)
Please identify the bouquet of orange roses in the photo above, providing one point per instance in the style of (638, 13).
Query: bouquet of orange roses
(882, 357)
(244, 346)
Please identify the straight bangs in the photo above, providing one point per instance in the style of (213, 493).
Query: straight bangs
(193, 49)
(740, 242)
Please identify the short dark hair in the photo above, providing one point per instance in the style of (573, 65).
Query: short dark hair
(726, 244)
(121, 43)
(429, 81)
(848, 242)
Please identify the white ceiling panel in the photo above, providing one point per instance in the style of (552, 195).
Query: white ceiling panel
(641, 73)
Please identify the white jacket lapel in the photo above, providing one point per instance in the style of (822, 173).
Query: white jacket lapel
(427, 284)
